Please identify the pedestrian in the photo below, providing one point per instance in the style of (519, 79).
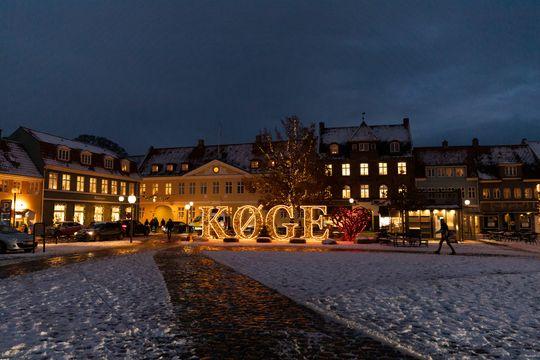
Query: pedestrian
(169, 226)
(25, 229)
(146, 222)
(154, 224)
(444, 231)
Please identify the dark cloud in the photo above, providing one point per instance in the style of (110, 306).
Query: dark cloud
(167, 72)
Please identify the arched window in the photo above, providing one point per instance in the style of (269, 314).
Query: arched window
(383, 192)
(86, 158)
(394, 146)
(334, 149)
(346, 192)
(108, 162)
(62, 153)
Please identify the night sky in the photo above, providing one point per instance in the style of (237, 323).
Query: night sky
(166, 73)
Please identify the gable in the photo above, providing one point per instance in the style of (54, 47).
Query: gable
(224, 170)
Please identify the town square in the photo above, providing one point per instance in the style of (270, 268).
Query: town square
(269, 180)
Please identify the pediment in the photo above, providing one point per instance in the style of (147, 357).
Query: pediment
(208, 169)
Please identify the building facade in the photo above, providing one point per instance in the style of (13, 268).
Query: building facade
(369, 164)
(200, 175)
(82, 183)
(21, 186)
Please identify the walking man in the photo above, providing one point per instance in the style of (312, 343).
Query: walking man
(444, 237)
(169, 226)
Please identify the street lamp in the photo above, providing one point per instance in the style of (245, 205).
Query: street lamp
(467, 202)
(351, 201)
(188, 228)
(131, 199)
(121, 198)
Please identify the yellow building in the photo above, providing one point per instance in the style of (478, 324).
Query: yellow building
(201, 176)
(21, 186)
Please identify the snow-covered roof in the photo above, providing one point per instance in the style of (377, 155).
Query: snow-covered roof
(238, 155)
(364, 132)
(72, 144)
(441, 156)
(507, 154)
(535, 147)
(14, 160)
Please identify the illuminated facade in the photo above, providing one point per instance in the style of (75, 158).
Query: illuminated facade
(202, 175)
(82, 182)
(21, 186)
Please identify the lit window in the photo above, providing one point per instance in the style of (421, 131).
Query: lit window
(507, 193)
(228, 187)
(192, 188)
(240, 187)
(155, 189)
(155, 168)
(346, 192)
(364, 169)
(170, 167)
(517, 193)
(4, 184)
(334, 149)
(93, 185)
(448, 171)
(510, 171)
(383, 168)
(204, 188)
(80, 183)
(460, 171)
(364, 191)
(109, 162)
(53, 181)
(86, 158)
(215, 187)
(124, 166)
(528, 193)
(383, 192)
(98, 213)
(185, 166)
(402, 168)
(66, 182)
(114, 187)
(62, 153)
(123, 188)
(496, 193)
(345, 169)
(104, 186)
(181, 188)
(143, 189)
(254, 164)
(59, 213)
(78, 213)
(328, 169)
(485, 193)
(394, 146)
(115, 213)
(168, 188)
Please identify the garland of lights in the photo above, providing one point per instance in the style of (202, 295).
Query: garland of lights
(210, 223)
(273, 229)
(255, 218)
(309, 221)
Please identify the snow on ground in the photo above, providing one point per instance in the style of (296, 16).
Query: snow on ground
(439, 306)
(63, 249)
(114, 307)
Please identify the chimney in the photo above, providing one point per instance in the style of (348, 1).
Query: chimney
(475, 142)
(321, 127)
(200, 143)
(445, 144)
(406, 122)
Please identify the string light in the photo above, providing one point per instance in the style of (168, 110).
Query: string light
(255, 218)
(273, 228)
(210, 224)
(309, 221)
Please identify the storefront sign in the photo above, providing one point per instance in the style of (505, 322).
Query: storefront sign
(253, 218)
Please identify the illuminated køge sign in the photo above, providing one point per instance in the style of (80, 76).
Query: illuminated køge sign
(249, 216)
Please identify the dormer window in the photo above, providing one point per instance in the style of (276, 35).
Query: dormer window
(394, 146)
(86, 158)
(334, 149)
(155, 168)
(170, 167)
(184, 166)
(254, 164)
(124, 165)
(511, 171)
(363, 147)
(62, 153)
(108, 162)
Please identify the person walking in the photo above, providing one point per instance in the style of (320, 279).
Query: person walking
(444, 231)
(162, 224)
(169, 226)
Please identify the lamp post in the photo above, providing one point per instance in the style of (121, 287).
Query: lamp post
(132, 199)
(188, 207)
(14, 191)
(466, 202)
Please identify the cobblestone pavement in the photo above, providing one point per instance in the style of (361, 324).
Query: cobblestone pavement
(229, 316)
(65, 259)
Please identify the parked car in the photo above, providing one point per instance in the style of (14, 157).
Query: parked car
(13, 240)
(100, 231)
(64, 229)
(179, 227)
(138, 228)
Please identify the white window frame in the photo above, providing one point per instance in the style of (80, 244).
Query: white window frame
(86, 158)
(63, 153)
(346, 169)
(108, 162)
(395, 147)
(364, 169)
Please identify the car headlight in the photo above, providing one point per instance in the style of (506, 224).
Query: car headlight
(91, 233)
